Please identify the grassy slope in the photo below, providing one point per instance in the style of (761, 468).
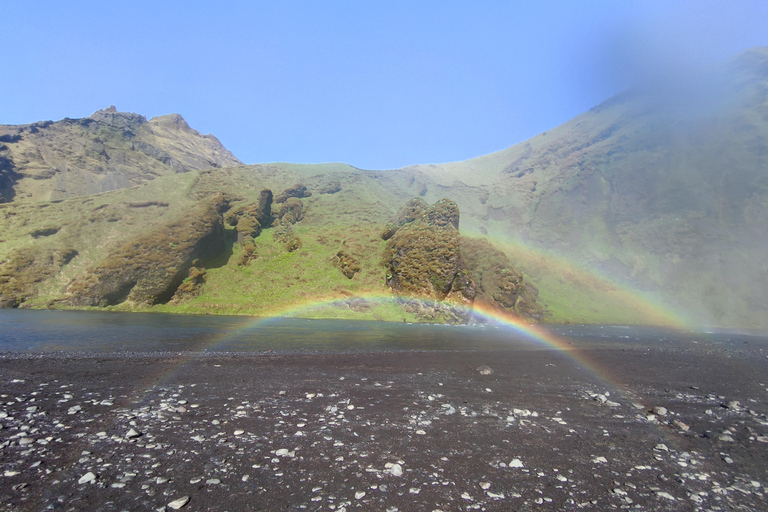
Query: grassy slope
(279, 282)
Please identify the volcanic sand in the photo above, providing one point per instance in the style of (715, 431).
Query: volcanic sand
(517, 429)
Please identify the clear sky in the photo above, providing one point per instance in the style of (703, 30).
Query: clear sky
(377, 85)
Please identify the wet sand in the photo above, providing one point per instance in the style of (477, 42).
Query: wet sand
(461, 430)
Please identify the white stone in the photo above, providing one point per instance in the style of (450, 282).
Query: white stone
(396, 470)
(516, 463)
(177, 504)
(87, 478)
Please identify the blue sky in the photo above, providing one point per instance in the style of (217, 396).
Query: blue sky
(377, 85)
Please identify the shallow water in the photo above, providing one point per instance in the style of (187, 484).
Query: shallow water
(51, 331)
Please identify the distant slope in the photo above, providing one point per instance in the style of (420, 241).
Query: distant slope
(664, 188)
(107, 151)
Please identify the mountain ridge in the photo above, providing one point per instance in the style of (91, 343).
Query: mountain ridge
(106, 151)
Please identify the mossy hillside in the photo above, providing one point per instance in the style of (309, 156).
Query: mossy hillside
(350, 220)
(298, 282)
(88, 225)
(149, 268)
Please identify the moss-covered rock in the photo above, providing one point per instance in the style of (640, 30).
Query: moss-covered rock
(190, 286)
(292, 211)
(346, 263)
(297, 190)
(423, 260)
(409, 212)
(248, 255)
(150, 268)
(499, 285)
(249, 219)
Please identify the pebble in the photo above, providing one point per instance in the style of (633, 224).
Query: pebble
(178, 503)
(516, 463)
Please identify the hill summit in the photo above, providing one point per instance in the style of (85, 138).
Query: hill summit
(107, 151)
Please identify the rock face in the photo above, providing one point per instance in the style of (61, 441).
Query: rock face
(107, 151)
(423, 260)
(150, 268)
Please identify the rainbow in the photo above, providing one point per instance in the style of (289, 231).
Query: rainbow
(653, 310)
(520, 330)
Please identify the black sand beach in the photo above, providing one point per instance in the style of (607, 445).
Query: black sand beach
(454, 430)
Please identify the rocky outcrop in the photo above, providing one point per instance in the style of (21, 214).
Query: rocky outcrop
(150, 268)
(292, 211)
(499, 285)
(411, 211)
(191, 285)
(346, 263)
(297, 190)
(423, 261)
(248, 220)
